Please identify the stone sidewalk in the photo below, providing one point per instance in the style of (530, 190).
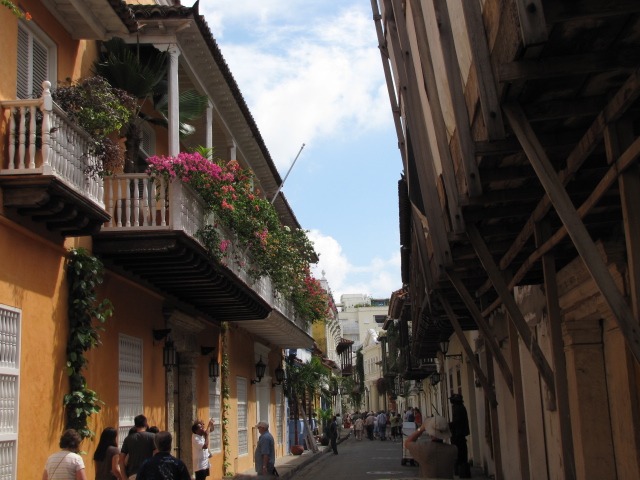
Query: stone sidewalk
(288, 465)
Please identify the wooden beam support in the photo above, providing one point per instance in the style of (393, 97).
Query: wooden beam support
(554, 316)
(586, 9)
(386, 67)
(483, 326)
(419, 135)
(533, 25)
(430, 98)
(577, 231)
(626, 404)
(489, 392)
(552, 67)
(616, 107)
(628, 158)
(481, 62)
(454, 85)
(521, 419)
(515, 315)
(496, 450)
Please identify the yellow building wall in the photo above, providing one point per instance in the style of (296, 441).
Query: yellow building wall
(74, 57)
(31, 279)
(242, 364)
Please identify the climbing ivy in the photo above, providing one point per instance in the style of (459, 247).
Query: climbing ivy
(226, 408)
(86, 316)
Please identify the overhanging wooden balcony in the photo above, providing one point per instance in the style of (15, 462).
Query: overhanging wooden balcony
(46, 167)
(152, 237)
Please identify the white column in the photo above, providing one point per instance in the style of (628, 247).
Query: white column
(209, 127)
(174, 92)
(232, 150)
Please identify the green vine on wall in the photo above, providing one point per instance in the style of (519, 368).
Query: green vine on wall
(86, 316)
(226, 408)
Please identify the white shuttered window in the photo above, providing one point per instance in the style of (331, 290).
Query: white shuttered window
(129, 383)
(243, 430)
(10, 319)
(215, 437)
(279, 411)
(36, 61)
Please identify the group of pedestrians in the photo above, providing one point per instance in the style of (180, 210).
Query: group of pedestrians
(381, 425)
(444, 455)
(145, 455)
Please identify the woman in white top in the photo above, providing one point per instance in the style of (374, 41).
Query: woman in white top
(66, 464)
(200, 448)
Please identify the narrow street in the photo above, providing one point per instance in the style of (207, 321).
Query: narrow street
(362, 460)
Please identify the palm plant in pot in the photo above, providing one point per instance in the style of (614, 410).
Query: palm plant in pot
(302, 384)
(141, 70)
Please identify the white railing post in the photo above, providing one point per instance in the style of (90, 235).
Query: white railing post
(175, 204)
(46, 108)
(32, 137)
(21, 138)
(12, 138)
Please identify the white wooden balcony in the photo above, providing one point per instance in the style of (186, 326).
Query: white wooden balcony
(47, 164)
(139, 203)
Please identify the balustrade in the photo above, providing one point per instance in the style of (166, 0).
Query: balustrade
(42, 140)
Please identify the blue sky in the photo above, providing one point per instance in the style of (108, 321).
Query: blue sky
(311, 73)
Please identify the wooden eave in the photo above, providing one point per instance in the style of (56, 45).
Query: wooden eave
(49, 201)
(176, 266)
(93, 19)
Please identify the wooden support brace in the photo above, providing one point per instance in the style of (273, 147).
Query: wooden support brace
(628, 158)
(454, 85)
(484, 327)
(487, 92)
(615, 108)
(577, 231)
(486, 386)
(509, 302)
(532, 22)
(557, 351)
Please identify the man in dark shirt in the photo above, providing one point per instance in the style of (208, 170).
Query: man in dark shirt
(138, 445)
(459, 430)
(163, 465)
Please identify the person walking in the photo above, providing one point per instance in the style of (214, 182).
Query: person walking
(417, 416)
(265, 455)
(163, 465)
(358, 426)
(107, 456)
(382, 426)
(200, 448)
(138, 446)
(333, 435)
(369, 424)
(459, 430)
(435, 458)
(394, 420)
(66, 464)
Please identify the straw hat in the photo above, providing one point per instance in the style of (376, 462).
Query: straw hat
(437, 427)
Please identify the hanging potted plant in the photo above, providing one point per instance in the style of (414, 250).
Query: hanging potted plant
(101, 111)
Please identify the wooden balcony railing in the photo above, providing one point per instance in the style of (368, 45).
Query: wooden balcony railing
(42, 140)
(138, 202)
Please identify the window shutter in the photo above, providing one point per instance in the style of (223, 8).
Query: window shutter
(40, 67)
(215, 437)
(10, 320)
(23, 63)
(243, 434)
(129, 383)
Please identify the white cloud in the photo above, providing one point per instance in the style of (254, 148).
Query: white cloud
(377, 279)
(323, 83)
